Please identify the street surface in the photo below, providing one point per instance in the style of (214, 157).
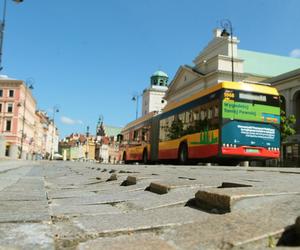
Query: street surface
(72, 205)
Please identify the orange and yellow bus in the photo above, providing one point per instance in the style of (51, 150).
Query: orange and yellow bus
(227, 123)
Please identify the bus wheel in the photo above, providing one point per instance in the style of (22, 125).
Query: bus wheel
(145, 157)
(183, 154)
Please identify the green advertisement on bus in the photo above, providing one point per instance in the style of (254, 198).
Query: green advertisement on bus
(250, 112)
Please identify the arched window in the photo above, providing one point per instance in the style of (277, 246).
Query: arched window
(296, 108)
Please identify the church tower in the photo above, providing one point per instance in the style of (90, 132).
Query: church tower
(153, 97)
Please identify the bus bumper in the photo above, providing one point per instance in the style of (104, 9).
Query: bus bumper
(246, 151)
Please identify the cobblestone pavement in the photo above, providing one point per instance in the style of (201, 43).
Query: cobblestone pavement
(67, 205)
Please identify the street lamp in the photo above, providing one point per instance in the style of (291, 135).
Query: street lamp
(226, 24)
(87, 142)
(55, 110)
(136, 98)
(28, 85)
(2, 26)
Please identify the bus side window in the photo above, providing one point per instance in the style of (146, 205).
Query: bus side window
(203, 115)
(135, 135)
(145, 134)
(209, 113)
(216, 111)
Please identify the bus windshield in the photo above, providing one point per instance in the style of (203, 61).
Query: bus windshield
(250, 119)
(249, 106)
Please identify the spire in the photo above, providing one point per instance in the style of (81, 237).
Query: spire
(159, 78)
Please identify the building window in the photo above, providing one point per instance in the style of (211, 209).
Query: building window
(9, 108)
(0, 107)
(8, 125)
(11, 93)
(1, 92)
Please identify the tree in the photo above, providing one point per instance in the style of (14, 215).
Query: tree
(286, 125)
(176, 129)
(286, 129)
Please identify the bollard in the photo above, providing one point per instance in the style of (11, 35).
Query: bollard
(245, 164)
(113, 177)
(158, 188)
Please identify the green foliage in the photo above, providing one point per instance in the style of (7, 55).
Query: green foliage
(286, 125)
(176, 129)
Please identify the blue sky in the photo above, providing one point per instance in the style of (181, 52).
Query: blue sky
(90, 57)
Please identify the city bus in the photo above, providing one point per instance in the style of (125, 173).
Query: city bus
(227, 123)
(135, 139)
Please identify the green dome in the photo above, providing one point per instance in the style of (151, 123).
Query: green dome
(160, 73)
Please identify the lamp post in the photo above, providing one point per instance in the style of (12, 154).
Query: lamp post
(136, 98)
(2, 26)
(55, 110)
(28, 85)
(87, 142)
(226, 24)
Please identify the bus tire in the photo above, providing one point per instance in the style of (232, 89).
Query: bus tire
(145, 156)
(183, 154)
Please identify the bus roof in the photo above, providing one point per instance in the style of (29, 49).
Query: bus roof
(139, 121)
(249, 87)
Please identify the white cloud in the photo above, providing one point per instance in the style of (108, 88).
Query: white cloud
(69, 121)
(295, 53)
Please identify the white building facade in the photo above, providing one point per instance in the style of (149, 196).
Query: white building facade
(153, 96)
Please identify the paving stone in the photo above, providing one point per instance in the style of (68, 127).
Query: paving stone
(238, 228)
(11, 176)
(67, 235)
(92, 212)
(69, 193)
(26, 236)
(133, 242)
(297, 226)
(25, 216)
(159, 188)
(100, 198)
(177, 197)
(224, 198)
(130, 180)
(22, 196)
(113, 177)
(76, 209)
(139, 220)
(116, 187)
(164, 186)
